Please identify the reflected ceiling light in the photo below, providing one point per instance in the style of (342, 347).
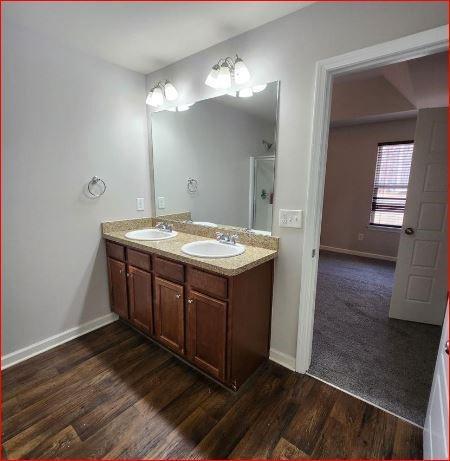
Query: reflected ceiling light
(258, 88)
(183, 107)
(225, 71)
(160, 91)
(245, 93)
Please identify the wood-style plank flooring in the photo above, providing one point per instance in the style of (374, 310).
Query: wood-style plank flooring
(113, 394)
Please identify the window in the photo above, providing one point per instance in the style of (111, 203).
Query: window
(391, 183)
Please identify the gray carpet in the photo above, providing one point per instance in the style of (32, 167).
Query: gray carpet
(358, 348)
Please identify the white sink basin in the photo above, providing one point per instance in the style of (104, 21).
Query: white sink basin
(150, 234)
(212, 249)
(204, 223)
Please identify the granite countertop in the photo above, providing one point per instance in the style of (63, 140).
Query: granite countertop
(171, 248)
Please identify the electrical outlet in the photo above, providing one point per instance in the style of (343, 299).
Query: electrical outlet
(291, 218)
(161, 203)
(140, 204)
(360, 236)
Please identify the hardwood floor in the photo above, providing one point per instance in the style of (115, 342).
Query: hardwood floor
(113, 394)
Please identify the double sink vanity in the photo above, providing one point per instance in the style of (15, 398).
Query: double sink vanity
(201, 289)
(207, 300)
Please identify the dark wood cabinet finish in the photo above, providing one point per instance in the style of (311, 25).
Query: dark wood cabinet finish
(139, 260)
(115, 251)
(170, 270)
(207, 329)
(210, 284)
(140, 297)
(169, 314)
(220, 324)
(118, 287)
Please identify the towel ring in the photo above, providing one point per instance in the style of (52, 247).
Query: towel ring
(95, 180)
(192, 185)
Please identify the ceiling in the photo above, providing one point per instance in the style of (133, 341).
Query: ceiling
(422, 81)
(144, 36)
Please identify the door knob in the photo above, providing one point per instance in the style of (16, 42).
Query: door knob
(447, 346)
(409, 231)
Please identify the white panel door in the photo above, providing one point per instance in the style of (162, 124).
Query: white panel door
(420, 285)
(435, 432)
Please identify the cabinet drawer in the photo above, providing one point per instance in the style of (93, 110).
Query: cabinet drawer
(210, 284)
(138, 259)
(116, 251)
(169, 269)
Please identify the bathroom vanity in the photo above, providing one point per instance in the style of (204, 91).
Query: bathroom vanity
(214, 314)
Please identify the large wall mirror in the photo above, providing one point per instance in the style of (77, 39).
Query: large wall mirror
(216, 160)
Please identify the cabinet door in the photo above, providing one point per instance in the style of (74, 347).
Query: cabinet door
(169, 314)
(118, 287)
(207, 325)
(140, 296)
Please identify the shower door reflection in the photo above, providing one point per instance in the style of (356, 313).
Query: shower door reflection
(262, 170)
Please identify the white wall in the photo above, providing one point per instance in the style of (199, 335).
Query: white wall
(287, 50)
(351, 161)
(212, 142)
(66, 117)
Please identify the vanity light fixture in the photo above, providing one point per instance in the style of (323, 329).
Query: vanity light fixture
(225, 71)
(180, 108)
(259, 88)
(245, 93)
(160, 91)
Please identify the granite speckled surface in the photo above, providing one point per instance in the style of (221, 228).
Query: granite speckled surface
(171, 248)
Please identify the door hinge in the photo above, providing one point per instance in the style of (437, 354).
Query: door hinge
(313, 253)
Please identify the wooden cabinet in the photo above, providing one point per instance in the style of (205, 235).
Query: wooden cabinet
(169, 314)
(220, 324)
(118, 287)
(140, 297)
(207, 330)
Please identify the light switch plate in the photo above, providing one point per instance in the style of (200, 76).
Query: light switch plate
(140, 204)
(161, 203)
(291, 218)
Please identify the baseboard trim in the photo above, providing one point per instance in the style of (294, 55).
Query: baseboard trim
(358, 253)
(27, 352)
(282, 359)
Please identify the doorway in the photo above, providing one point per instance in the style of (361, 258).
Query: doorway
(376, 275)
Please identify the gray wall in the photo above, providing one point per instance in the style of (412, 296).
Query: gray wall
(211, 142)
(287, 50)
(67, 117)
(351, 161)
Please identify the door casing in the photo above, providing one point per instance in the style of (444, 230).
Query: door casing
(410, 47)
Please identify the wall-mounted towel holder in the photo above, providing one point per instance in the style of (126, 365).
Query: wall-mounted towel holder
(96, 181)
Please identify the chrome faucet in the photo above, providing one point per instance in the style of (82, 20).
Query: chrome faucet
(222, 237)
(164, 226)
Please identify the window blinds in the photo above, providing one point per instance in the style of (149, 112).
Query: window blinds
(391, 183)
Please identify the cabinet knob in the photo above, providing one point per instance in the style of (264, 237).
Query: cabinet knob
(178, 296)
(190, 301)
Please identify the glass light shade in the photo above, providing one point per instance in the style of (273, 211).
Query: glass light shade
(157, 98)
(170, 92)
(245, 93)
(183, 107)
(211, 80)
(258, 88)
(148, 100)
(241, 73)
(232, 93)
(172, 109)
(224, 78)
